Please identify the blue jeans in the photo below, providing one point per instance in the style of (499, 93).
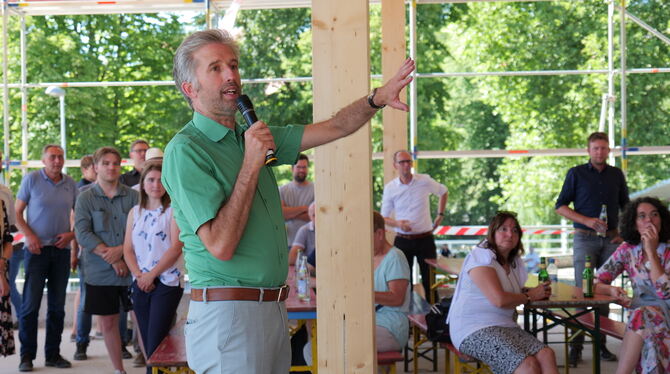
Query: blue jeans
(599, 249)
(84, 320)
(155, 313)
(52, 264)
(14, 266)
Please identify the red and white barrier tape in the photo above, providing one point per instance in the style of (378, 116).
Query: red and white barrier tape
(482, 230)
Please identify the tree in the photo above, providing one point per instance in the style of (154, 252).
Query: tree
(126, 47)
(559, 111)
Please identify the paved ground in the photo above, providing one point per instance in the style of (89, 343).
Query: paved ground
(98, 362)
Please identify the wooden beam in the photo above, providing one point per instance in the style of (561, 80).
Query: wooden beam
(394, 51)
(343, 169)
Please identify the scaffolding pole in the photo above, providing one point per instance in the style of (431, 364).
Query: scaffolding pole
(516, 153)
(610, 77)
(5, 85)
(24, 93)
(413, 107)
(374, 76)
(646, 26)
(519, 73)
(208, 14)
(624, 109)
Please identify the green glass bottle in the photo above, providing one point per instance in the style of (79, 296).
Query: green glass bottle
(587, 278)
(543, 275)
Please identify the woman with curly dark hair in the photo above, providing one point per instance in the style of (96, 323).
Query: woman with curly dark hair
(645, 256)
(482, 320)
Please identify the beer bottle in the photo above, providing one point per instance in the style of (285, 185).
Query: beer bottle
(543, 275)
(587, 278)
(603, 217)
(552, 270)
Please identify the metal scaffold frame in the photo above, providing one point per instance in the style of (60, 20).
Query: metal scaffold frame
(213, 8)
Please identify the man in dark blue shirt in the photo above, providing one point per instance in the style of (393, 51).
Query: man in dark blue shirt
(589, 187)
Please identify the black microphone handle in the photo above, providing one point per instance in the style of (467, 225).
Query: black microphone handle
(249, 115)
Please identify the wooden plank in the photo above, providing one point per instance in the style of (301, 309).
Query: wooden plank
(172, 350)
(341, 68)
(394, 51)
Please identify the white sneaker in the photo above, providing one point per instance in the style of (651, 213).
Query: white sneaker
(119, 372)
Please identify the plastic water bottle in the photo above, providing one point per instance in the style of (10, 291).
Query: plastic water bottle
(302, 279)
(296, 265)
(552, 269)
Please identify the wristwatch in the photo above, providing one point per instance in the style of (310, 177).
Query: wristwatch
(371, 98)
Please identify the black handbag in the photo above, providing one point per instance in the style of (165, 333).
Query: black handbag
(436, 321)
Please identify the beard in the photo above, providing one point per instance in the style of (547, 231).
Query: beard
(223, 108)
(216, 103)
(300, 177)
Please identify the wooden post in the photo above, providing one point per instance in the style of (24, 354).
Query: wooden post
(341, 71)
(394, 51)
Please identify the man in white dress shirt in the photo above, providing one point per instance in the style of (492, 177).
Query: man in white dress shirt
(406, 207)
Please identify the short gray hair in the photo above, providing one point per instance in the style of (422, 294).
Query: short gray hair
(47, 147)
(184, 63)
(396, 153)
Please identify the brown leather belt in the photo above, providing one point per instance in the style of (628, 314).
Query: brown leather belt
(240, 294)
(613, 232)
(414, 236)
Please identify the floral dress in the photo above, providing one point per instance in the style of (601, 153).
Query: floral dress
(649, 321)
(6, 325)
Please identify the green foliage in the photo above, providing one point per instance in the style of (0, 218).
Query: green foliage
(560, 111)
(530, 112)
(128, 47)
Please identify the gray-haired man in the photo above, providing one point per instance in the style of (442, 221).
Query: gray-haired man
(228, 208)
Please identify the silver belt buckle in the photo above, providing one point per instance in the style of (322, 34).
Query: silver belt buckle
(260, 296)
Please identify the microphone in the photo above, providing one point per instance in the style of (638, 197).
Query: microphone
(245, 107)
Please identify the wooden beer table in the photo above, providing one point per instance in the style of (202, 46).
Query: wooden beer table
(568, 305)
(303, 311)
(444, 265)
(571, 304)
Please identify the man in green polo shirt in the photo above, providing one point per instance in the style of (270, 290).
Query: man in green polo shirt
(228, 208)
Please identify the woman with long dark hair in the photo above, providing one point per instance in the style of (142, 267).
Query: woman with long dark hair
(645, 256)
(482, 316)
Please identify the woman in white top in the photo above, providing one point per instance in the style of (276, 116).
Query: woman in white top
(151, 249)
(482, 316)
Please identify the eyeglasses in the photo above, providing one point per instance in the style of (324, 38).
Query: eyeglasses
(142, 150)
(404, 161)
(652, 214)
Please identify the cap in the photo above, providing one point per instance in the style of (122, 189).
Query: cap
(153, 153)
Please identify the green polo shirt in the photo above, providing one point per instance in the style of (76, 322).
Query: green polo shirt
(200, 167)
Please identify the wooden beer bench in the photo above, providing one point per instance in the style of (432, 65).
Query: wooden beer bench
(462, 363)
(170, 356)
(388, 360)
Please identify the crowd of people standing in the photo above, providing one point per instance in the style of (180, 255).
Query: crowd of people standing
(122, 239)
